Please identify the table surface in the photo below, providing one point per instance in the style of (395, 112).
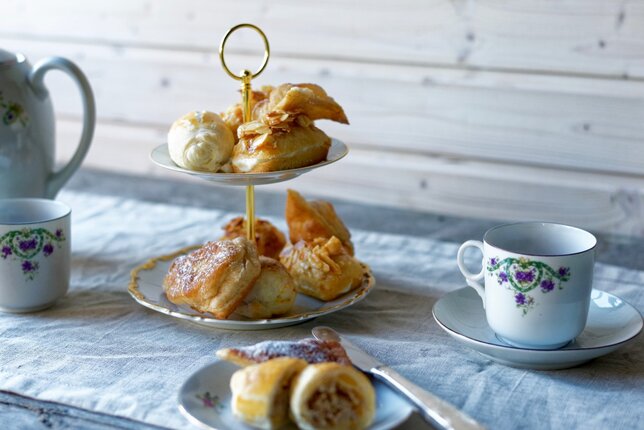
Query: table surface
(99, 360)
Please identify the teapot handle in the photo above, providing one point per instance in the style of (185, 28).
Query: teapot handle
(36, 79)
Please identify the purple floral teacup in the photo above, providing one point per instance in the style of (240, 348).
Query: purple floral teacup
(538, 280)
(34, 253)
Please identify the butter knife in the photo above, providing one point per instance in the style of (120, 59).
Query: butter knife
(436, 411)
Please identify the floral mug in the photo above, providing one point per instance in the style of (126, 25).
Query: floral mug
(34, 253)
(538, 280)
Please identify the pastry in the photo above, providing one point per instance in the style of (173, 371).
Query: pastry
(200, 140)
(260, 393)
(310, 350)
(322, 268)
(272, 294)
(234, 115)
(303, 99)
(214, 278)
(269, 240)
(281, 134)
(288, 143)
(332, 396)
(313, 219)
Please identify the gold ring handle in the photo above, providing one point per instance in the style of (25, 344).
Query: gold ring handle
(245, 74)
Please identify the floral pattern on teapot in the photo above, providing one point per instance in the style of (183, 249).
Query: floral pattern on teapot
(12, 113)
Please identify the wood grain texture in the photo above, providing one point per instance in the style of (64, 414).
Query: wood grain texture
(397, 108)
(501, 109)
(595, 37)
(603, 202)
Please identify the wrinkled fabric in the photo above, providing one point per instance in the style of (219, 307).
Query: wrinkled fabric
(98, 349)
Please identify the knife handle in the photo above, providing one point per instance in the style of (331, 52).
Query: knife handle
(434, 410)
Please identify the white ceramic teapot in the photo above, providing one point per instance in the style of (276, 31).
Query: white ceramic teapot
(27, 129)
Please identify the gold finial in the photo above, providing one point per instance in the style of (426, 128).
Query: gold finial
(245, 77)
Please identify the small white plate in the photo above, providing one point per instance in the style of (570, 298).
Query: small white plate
(146, 287)
(204, 399)
(161, 157)
(612, 323)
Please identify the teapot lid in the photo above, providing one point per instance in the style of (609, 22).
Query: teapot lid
(8, 59)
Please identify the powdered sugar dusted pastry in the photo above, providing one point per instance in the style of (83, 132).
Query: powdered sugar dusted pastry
(200, 140)
(272, 294)
(279, 142)
(310, 350)
(323, 268)
(313, 219)
(260, 393)
(269, 240)
(214, 278)
(332, 396)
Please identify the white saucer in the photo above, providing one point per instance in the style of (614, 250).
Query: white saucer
(204, 399)
(146, 287)
(611, 324)
(161, 157)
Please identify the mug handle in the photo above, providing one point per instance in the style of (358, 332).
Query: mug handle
(470, 277)
(36, 78)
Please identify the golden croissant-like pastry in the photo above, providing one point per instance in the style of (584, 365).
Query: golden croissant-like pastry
(269, 240)
(260, 393)
(272, 294)
(310, 350)
(322, 268)
(234, 115)
(332, 396)
(302, 99)
(313, 219)
(287, 143)
(214, 278)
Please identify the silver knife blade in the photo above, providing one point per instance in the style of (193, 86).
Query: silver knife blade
(433, 409)
(359, 358)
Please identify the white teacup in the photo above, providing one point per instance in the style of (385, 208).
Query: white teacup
(35, 240)
(538, 280)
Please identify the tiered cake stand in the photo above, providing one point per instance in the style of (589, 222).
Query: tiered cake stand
(146, 285)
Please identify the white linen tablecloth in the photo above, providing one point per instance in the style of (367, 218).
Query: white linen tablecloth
(98, 349)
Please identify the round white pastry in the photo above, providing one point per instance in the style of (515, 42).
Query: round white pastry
(200, 140)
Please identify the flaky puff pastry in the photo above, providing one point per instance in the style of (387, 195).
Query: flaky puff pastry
(311, 350)
(301, 99)
(214, 278)
(272, 294)
(269, 240)
(309, 220)
(280, 141)
(234, 115)
(261, 392)
(323, 268)
(332, 396)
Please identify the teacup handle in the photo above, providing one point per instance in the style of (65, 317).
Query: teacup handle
(470, 277)
(36, 79)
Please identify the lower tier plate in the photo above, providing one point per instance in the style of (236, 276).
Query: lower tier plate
(146, 287)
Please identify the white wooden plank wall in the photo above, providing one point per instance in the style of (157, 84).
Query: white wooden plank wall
(502, 109)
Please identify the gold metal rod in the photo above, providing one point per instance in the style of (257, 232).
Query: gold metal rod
(245, 78)
(250, 212)
(250, 189)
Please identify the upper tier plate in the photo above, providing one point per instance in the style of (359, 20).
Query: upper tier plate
(161, 157)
